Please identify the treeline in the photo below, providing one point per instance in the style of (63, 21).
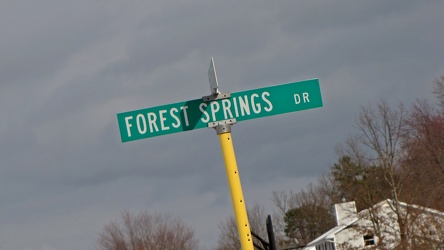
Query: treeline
(397, 153)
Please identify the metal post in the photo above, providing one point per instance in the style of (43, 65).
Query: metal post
(223, 129)
(270, 233)
(240, 211)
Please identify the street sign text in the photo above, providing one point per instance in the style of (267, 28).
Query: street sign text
(244, 105)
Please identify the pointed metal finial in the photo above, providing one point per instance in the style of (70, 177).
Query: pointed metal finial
(212, 77)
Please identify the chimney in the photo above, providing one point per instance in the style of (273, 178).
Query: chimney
(345, 212)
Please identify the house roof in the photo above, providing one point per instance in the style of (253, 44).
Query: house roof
(390, 202)
(330, 233)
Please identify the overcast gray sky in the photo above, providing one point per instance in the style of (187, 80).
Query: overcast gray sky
(68, 67)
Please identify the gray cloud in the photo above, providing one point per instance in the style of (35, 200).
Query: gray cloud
(67, 69)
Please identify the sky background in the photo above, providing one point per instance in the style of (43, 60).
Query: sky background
(68, 67)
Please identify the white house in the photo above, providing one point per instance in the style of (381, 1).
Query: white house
(378, 226)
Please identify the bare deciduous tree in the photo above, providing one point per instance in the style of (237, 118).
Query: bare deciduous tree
(378, 144)
(408, 147)
(438, 90)
(395, 154)
(229, 237)
(146, 232)
(423, 144)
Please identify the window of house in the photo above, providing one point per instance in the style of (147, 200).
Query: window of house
(331, 246)
(369, 240)
(326, 246)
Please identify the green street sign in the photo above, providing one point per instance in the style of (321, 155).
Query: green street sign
(244, 105)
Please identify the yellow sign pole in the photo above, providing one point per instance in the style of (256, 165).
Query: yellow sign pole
(240, 211)
(223, 129)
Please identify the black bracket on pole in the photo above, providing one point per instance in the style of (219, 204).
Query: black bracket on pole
(271, 245)
(271, 234)
(265, 244)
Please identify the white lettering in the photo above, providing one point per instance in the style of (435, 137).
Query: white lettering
(162, 120)
(214, 108)
(185, 115)
(226, 105)
(270, 105)
(152, 122)
(128, 125)
(201, 108)
(256, 106)
(177, 124)
(305, 96)
(140, 117)
(236, 111)
(245, 109)
(297, 98)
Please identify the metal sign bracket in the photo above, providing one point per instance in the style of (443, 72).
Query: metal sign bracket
(217, 96)
(223, 126)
